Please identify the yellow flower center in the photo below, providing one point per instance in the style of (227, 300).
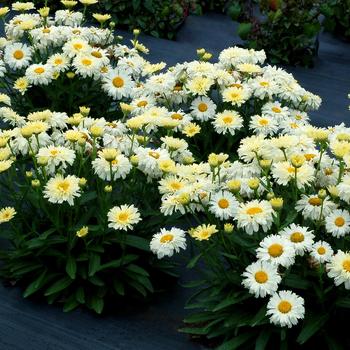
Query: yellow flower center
(276, 110)
(63, 186)
(227, 119)
(58, 61)
(297, 237)
(261, 277)
(54, 152)
(284, 306)
(86, 62)
(294, 125)
(178, 88)
(114, 162)
(223, 203)
(77, 31)
(18, 54)
(142, 104)
(176, 116)
(264, 83)
(118, 82)
(176, 185)
(321, 250)
(346, 265)
(39, 70)
(77, 46)
(275, 250)
(254, 210)
(96, 54)
(315, 201)
(339, 221)
(123, 217)
(263, 122)
(298, 117)
(46, 30)
(309, 156)
(328, 171)
(167, 238)
(202, 107)
(153, 154)
(238, 86)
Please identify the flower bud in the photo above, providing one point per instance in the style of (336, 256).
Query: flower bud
(82, 232)
(108, 188)
(35, 183)
(228, 228)
(82, 182)
(276, 203)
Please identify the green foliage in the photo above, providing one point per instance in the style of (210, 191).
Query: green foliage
(224, 314)
(49, 259)
(288, 31)
(337, 17)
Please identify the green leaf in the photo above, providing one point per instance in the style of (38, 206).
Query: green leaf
(137, 242)
(71, 267)
(311, 326)
(59, 285)
(35, 285)
(193, 262)
(80, 295)
(343, 302)
(137, 269)
(119, 287)
(94, 264)
(194, 330)
(243, 30)
(96, 304)
(263, 339)
(119, 262)
(70, 304)
(88, 197)
(234, 299)
(236, 342)
(261, 314)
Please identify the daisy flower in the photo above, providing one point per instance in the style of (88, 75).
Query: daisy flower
(277, 250)
(264, 125)
(166, 242)
(300, 237)
(117, 168)
(223, 205)
(338, 223)
(123, 217)
(285, 308)
(275, 109)
(7, 214)
(227, 122)
(17, 55)
(284, 173)
(235, 95)
(203, 108)
(339, 268)
(199, 85)
(61, 189)
(86, 65)
(321, 251)
(261, 278)
(117, 84)
(203, 232)
(314, 208)
(252, 216)
(75, 47)
(39, 74)
(56, 156)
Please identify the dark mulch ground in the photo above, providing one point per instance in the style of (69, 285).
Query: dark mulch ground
(29, 325)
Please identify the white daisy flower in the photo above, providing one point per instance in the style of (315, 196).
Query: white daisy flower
(223, 205)
(17, 55)
(61, 189)
(261, 278)
(338, 223)
(117, 84)
(321, 251)
(166, 242)
(123, 217)
(86, 65)
(57, 156)
(39, 74)
(285, 308)
(76, 46)
(264, 125)
(299, 236)
(277, 250)
(227, 122)
(236, 95)
(275, 109)
(252, 216)
(203, 108)
(311, 206)
(339, 268)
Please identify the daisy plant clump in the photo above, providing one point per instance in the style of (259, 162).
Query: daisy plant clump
(79, 206)
(217, 104)
(56, 61)
(272, 235)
